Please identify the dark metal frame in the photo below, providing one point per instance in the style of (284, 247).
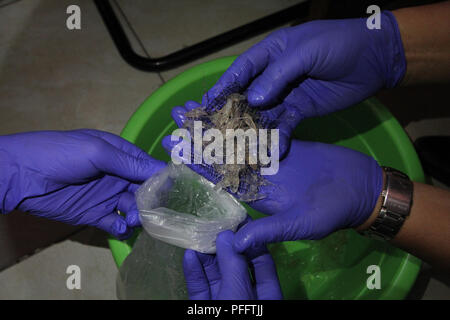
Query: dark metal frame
(296, 12)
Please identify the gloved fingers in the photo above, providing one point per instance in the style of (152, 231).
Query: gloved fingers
(261, 232)
(115, 225)
(169, 143)
(239, 74)
(190, 105)
(289, 119)
(283, 120)
(179, 113)
(236, 283)
(268, 87)
(111, 160)
(127, 205)
(284, 145)
(118, 142)
(196, 281)
(271, 114)
(133, 187)
(257, 251)
(284, 116)
(247, 219)
(266, 278)
(129, 151)
(212, 272)
(305, 101)
(287, 122)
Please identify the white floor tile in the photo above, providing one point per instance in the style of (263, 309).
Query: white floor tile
(43, 276)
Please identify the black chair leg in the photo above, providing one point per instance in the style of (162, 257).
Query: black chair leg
(200, 49)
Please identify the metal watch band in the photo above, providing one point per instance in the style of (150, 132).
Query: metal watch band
(397, 200)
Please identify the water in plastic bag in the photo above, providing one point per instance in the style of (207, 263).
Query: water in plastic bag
(180, 207)
(152, 271)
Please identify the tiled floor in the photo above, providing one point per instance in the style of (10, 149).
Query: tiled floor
(44, 274)
(54, 78)
(163, 30)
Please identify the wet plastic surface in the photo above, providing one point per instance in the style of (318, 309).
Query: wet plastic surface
(180, 207)
(154, 270)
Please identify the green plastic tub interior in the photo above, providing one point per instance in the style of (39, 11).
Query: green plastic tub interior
(333, 268)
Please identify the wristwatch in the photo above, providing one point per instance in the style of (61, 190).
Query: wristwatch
(397, 197)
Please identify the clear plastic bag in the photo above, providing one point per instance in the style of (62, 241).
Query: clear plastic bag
(180, 207)
(153, 270)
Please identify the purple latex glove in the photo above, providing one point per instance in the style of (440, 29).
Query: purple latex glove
(314, 69)
(318, 189)
(79, 177)
(225, 276)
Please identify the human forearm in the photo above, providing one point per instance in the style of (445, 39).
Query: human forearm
(425, 32)
(426, 232)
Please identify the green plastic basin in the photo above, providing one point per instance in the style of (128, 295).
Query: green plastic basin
(332, 268)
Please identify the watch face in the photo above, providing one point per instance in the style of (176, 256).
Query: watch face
(397, 198)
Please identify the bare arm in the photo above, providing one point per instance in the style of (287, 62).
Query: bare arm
(426, 232)
(425, 32)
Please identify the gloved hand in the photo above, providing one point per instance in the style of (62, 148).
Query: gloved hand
(314, 69)
(225, 276)
(79, 177)
(319, 189)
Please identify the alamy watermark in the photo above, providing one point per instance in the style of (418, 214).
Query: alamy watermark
(74, 279)
(73, 21)
(374, 20)
(235, 142)
(374, 280)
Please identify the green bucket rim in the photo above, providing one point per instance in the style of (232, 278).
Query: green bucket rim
(410, 267)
